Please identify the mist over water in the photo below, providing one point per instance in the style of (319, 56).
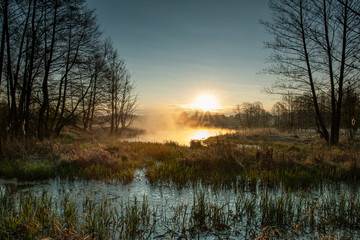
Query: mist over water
(163, 127)
(181, 136)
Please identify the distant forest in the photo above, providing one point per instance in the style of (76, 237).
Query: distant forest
(292, 114)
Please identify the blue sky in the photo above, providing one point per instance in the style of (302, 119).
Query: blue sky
(179, 49)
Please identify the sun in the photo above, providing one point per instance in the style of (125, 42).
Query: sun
(206, 102)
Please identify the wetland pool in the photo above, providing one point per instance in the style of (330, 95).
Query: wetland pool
(227, 213)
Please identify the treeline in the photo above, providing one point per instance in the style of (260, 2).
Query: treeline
(246, 116)
(55, 71)
(296, 112)
(292, 113)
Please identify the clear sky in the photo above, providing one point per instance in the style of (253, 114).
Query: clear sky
(179, 49)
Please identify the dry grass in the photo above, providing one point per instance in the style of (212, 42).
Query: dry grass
(220, 159)
(223, 161)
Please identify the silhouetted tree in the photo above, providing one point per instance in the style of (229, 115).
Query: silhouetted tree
(293, 113)
(120, 92)
(253, 115)
(52, 68)
(238, 116)
(315, 46)
(78, 37)
(96, 68)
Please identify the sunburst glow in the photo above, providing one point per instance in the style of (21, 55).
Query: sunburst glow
(206, 103)
(201, 134)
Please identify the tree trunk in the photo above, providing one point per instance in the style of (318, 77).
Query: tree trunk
(322, 127)
(31, 70)
(91, 119)
(2, 49)
(42, 125)
(12, 86)
(335, 135)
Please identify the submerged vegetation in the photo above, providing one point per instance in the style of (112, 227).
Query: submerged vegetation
(32, 215)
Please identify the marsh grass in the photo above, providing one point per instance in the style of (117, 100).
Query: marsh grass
(193, 166)
(30, 215)
(37, 170)
(272, 159)
(224, 163)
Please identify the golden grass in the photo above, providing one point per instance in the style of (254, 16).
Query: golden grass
(220, 159)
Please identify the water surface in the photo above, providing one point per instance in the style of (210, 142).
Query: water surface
(181, 136)
(167, 198)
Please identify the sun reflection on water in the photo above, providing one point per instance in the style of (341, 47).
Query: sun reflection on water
(181, 136)
(201, 134)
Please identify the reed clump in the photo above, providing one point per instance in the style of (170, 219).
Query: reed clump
(33, 216)
(39, 215)
(205, 165)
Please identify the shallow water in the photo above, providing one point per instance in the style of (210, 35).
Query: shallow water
(167, 197)
(181, 136)
(139, 187)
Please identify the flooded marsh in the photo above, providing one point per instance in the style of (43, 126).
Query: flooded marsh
(227, 187)
(141, 210)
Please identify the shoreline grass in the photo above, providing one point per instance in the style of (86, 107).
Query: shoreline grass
(221, 161)
(29, 215)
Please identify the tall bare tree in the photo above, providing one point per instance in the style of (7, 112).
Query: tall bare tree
(127, 104)
(96, 68)
(252, 115)
(120, 89)
(55, 68)
(315, 46)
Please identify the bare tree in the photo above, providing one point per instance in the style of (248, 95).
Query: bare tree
(293, 112)
(253, 115)
(4, 7)
(96, 68)
(127, 104)
(55, 70)
(238, 116)
(120, 89)
(315, 44)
